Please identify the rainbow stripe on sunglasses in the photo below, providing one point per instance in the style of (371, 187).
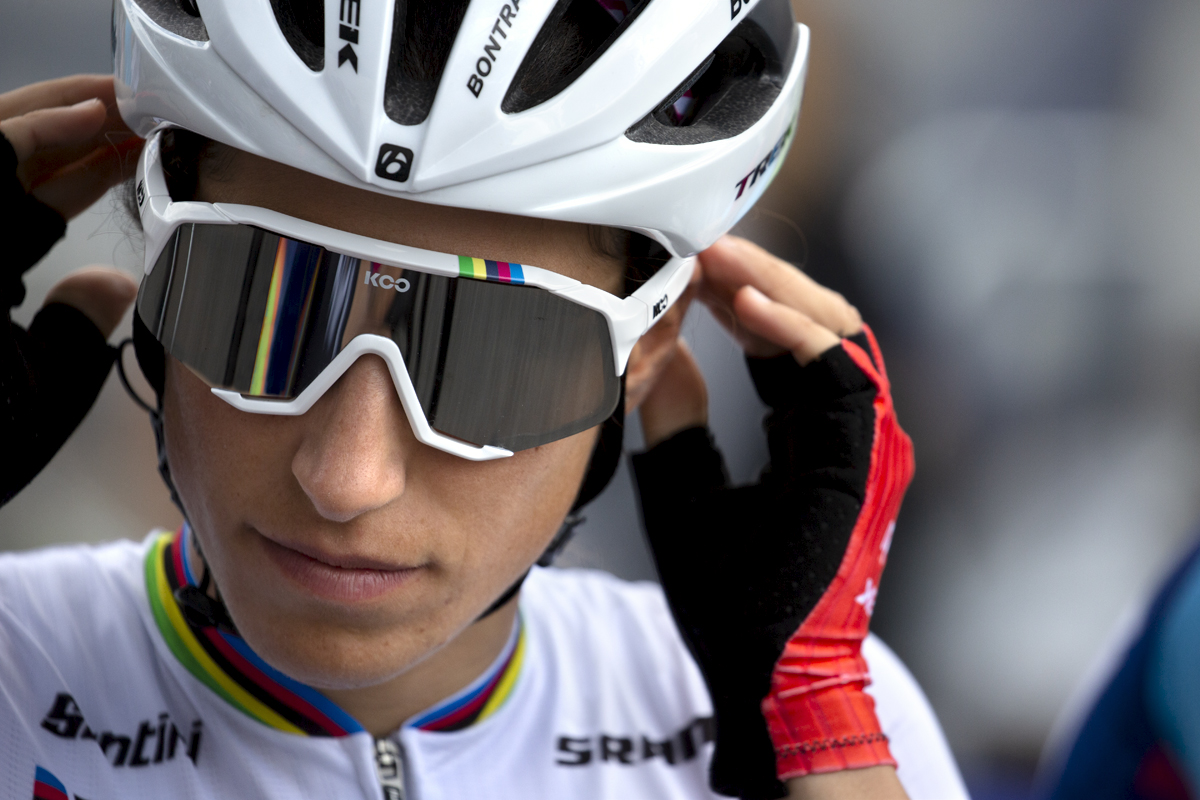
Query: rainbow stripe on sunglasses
(294, 277)
(485, 270)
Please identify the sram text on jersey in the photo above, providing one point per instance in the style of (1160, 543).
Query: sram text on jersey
(631, 750)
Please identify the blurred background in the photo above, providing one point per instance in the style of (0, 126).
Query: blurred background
(1010, 191)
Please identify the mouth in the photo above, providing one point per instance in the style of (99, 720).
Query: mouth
(343, 578)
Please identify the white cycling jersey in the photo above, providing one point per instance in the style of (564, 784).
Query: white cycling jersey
(107, 693)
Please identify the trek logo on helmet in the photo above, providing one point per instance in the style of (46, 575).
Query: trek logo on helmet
(394, 162)
(762, 167)
(736, 6)
(348, 19)
(387, 282)
(483, 67)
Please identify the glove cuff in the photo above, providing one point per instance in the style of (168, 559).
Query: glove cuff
(28, 227)
(820, 717)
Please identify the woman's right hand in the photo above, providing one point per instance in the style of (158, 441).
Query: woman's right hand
(64, 147)
(71, 143)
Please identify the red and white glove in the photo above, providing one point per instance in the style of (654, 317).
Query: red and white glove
(773, 585)
(819, 717)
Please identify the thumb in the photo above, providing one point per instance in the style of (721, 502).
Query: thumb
(102, 294)
(678, 400)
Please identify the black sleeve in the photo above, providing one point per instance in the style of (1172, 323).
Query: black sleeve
(49, 375)
(743, 566)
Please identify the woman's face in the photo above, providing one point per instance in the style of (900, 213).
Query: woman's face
(346, 550)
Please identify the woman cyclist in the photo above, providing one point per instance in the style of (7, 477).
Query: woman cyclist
(401, 262)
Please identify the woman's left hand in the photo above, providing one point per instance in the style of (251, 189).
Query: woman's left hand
(765, 303)
(773, 585)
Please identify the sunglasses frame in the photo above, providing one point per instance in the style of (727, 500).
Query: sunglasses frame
(628, 318)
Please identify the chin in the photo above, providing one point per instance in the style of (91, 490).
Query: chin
(331, 657)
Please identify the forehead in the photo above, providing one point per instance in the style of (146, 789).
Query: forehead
(563, 247)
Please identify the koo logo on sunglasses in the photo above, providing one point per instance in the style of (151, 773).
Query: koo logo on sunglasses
(387, 282)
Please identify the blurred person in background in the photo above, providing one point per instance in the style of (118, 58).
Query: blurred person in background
(341, 539)
(1141, 739)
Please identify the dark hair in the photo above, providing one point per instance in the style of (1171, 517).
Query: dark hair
(185, 155)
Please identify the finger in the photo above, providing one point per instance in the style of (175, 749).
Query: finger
(76, 187)
(45, 163)
(783, 326)
(103, 294)
(719, 302)
(735, 262)
(51, 128)
(59, 92)
(732, 263)
(678, 400)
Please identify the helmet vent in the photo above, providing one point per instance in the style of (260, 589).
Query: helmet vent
(180, 17)
(422, 35)
(576, 33)
(303, 25)
(734, 87)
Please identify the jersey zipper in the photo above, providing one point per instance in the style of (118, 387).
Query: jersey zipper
(389, 766)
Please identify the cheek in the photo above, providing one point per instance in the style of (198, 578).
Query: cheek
(221, 459)
(517, 506)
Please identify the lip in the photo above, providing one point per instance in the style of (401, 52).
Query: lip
(344, 578)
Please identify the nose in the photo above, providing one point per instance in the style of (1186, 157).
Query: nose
(352, 457)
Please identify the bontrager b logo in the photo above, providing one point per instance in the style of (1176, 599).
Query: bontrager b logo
(394, 162)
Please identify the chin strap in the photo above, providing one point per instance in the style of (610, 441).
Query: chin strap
(155, 411)
(200, 608)
(606, 456)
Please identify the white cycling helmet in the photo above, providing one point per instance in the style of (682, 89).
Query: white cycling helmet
(665, 117)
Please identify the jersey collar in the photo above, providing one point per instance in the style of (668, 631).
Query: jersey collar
(224, 662)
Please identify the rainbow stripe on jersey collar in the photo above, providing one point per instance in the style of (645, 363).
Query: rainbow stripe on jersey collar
(485, 695)
(485, 270)
(223, 662)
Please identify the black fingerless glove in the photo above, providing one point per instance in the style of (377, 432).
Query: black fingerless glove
(49, 375)
(771, 584)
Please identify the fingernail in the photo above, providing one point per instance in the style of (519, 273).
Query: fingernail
(87, 102)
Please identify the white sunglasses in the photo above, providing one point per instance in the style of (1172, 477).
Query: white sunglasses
(488, 357)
